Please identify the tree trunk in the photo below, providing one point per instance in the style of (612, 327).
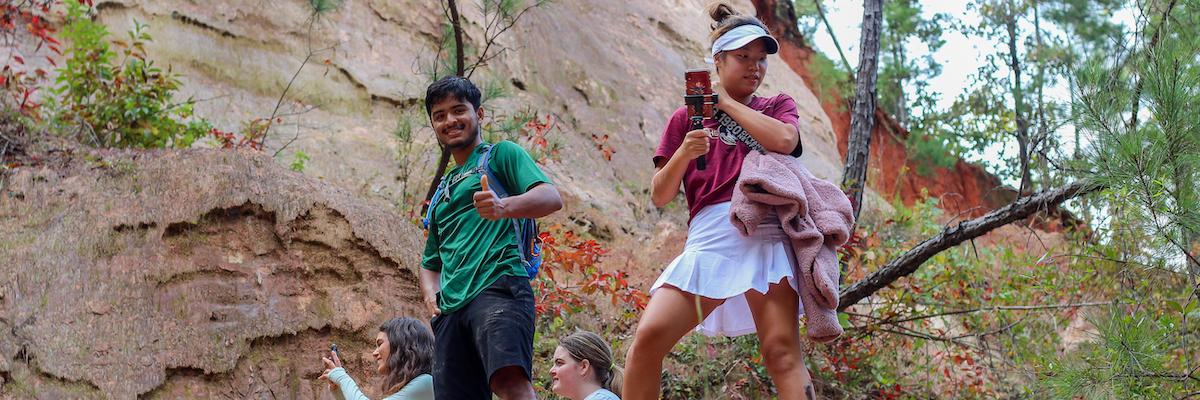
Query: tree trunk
(1137, 86)
(1043, 126)
(1018, 99)
(460, 58)
(901, 112)
(862, 121)
(908, 262)
(1077, 153)
(460, 64)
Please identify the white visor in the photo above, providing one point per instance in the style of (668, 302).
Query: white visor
(741, 36)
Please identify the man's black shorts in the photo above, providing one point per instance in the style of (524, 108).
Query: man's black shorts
(494, 330)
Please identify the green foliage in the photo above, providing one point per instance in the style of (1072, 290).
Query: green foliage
(1129, 353)
(117, 95)
(1151, 165)
(831, 81)
(299, 161)
(961, 326)
(527, 128)
(408, 154)
(504, 8)
(443, 62)
(903, 80)
(1135, 113)
(501, 15)
(494, 88)
(993, 115)
(808, 18)
(1089, 22)
(321, 7)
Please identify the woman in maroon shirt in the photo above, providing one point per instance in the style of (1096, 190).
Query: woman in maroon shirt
(739, 284)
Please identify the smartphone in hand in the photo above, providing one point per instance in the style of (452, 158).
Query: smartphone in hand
(701, 102)
(337, 356)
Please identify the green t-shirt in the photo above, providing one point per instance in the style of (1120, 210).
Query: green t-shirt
(469, 251)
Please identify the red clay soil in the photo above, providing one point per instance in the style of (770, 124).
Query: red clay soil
(964, 191)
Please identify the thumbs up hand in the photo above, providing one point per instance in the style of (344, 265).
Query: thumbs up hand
(487, 203)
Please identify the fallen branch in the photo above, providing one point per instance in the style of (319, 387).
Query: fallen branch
(908, 262)
(880, 321)
(924, 336)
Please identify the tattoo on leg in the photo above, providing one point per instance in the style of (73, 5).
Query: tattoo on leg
(808, 392)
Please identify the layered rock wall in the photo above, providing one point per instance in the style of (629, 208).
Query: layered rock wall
(126, 272)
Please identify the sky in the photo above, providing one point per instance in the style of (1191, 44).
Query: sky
(960, 56)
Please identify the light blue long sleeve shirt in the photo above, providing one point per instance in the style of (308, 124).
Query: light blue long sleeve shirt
(419, 388)
(602, 394)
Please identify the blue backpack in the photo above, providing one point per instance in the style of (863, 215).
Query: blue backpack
(528, 242)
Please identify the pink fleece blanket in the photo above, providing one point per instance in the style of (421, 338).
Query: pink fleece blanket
(816, 216)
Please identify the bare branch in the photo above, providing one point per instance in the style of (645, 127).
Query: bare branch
(991, 332)
(312, 21)
(908, 262)
(460, 57)
(986, 308)
(1137, 91)
(483, 56)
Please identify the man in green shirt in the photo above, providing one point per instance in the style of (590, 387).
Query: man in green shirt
(472, 275)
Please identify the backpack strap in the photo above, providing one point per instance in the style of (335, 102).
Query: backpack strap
(528, 247)
(437, 194)
(484, 167)
(521, 226)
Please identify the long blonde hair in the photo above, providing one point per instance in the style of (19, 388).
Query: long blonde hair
(584, 345)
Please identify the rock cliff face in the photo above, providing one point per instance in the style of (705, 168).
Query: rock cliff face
(604, 68)
(200, 273)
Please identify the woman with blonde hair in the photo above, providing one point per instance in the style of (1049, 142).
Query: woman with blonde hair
(584, 369)
(724, 282)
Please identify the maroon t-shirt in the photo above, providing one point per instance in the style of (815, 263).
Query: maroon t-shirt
(715, 183)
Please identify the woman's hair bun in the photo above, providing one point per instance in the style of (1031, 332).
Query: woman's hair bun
(719, 11)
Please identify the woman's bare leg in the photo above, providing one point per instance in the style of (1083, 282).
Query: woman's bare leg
(670, 314)
(779, 336)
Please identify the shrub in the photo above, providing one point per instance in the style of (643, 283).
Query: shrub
(114, 94)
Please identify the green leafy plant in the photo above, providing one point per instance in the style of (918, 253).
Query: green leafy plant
(299, 161)
(117, 96)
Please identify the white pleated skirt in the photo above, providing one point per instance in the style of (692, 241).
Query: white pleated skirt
(718, 262)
